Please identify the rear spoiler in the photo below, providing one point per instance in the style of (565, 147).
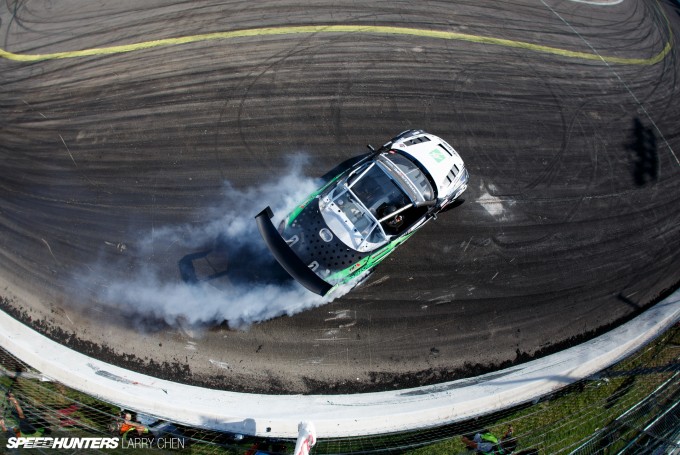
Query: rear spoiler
(287, 257)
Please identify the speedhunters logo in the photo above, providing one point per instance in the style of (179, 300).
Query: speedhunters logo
(63, 443)
(94, 443)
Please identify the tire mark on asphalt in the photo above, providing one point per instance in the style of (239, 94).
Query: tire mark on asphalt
(269, 69)
(608, 62)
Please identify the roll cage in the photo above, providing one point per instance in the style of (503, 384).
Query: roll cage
(372, 199)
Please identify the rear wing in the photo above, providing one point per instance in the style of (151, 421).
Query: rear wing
(287, 257)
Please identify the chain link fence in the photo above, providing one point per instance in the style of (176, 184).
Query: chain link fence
(630, 408)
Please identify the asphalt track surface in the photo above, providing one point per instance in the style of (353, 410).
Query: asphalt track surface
(119, 122)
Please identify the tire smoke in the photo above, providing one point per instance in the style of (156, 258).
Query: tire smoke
(214, 272)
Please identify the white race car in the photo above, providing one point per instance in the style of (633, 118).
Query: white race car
(349, 225)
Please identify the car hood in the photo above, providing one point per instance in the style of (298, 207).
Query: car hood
(437, 157)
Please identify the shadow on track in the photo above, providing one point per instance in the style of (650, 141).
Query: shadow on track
(637, 307)
(643, 154)
(225, 263)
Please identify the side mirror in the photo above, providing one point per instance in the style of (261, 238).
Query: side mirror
(370, 147)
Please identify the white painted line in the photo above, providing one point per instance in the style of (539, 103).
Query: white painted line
(599, 2)
(334, 415)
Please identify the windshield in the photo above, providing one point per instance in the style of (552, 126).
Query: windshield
(418, 182)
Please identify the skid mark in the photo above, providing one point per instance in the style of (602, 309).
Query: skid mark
(121, 379)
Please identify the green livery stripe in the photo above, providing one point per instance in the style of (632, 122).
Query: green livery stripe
(294, 214)
(346, 275)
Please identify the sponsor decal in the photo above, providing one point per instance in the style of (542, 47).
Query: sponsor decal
(437, 155)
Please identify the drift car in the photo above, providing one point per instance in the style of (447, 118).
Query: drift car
(354, 221)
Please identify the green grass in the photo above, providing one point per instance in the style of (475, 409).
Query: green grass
(571, 416)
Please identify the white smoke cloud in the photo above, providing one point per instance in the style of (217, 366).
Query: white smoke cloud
(245, 285)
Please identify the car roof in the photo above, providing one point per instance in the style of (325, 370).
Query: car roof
(433, 153)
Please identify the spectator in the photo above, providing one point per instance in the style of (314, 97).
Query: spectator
(17, 421)
(127, 427)
(9, 433)
(487, 443)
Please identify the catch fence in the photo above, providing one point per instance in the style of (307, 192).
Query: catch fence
(630, 408)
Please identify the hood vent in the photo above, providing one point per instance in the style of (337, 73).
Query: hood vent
(451, 176)
(447, 148)
(417, 140)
